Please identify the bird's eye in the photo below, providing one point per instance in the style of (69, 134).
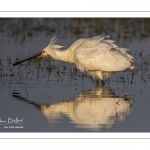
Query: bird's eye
(43, 51)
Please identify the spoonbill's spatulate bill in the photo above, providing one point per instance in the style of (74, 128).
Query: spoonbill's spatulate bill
(97, 56)
(19, 62)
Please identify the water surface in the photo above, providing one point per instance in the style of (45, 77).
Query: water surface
(53, 96)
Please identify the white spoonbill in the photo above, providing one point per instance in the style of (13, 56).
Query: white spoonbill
(97, 56)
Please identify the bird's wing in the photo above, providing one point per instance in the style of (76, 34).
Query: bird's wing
(98, 53)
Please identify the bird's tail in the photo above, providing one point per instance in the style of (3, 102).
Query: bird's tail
(132, 67)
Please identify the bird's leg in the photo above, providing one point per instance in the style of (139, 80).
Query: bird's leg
(98, 82)
(102, 82)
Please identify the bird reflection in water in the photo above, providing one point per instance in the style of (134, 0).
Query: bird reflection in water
(95, 109)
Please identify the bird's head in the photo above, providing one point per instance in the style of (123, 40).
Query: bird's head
(49, 50)
(46, 52)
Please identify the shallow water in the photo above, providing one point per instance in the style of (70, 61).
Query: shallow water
(45, 95)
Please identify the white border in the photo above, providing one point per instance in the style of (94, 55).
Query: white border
(77, 5)
(65, 14)
(75, 135)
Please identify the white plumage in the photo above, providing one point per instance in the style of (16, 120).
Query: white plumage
(98, 56)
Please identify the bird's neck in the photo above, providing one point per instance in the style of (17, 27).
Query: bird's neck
(64, 55)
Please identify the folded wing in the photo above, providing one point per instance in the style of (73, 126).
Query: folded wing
(98, 53)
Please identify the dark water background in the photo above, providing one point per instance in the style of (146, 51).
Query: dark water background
(53, 96)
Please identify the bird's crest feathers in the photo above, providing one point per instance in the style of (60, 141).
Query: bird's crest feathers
(53, 45)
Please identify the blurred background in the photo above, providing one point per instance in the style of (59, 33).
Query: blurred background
(23, 28)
